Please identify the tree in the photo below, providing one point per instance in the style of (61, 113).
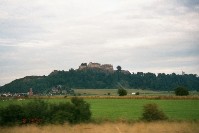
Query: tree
(122, 92)
(119, 68)
(181, 91)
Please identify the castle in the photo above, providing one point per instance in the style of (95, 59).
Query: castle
(106, 67)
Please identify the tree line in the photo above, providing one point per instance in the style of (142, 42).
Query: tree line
(99, 79)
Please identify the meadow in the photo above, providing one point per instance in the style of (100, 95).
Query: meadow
(113, 92)
(111, 113)
(129, 109)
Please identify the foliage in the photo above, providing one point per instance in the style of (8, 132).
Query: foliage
(36, 109)
(119, 68)
(122, 92)
(39, 112)
(153, 113)
(61, 113)
(98, 79)
(137, 93)
(11, 114)
(181, 91)
(81, 110)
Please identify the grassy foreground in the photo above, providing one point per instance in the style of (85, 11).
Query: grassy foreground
(140, 127)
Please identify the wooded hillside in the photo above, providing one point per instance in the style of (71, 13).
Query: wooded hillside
(96, 78)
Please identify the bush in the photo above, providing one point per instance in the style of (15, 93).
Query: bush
(122, 92)
(39, 112)
(181, 91)
(153, 113)
(81, 111)
(61, 113)
(137, 93)
(36, 112)
(61, 116)
(11, 115)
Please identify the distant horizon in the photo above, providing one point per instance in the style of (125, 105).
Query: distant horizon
(114, 68)
(157, 36)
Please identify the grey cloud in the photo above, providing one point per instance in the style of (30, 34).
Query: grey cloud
(188, 3)
(37, 37)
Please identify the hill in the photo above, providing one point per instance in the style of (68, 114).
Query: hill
(90, 77)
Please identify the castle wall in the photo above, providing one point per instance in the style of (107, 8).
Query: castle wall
(107, 67)
(94, 65)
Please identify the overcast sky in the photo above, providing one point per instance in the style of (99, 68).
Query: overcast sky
(39, 36)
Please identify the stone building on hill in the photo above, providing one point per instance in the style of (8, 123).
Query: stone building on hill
(94, 65)
(108, 67)
(105, 67)
(83, 66)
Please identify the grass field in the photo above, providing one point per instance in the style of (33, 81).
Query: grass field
(120, 115)
(131, 109)
(113, 92)
(118, 127)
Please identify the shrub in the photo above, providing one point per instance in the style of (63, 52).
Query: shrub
(153, 113)
(122, 92)
(10, 115)
(181, 91)
(76, 111)
(60, 113)
(81, 111)
(38, 112)
(137, 93)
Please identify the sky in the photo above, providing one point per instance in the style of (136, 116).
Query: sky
(39, 36)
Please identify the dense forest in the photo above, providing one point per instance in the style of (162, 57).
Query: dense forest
(99, 79)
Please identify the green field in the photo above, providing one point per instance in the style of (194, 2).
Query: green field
(113, 92)
(131, 109)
